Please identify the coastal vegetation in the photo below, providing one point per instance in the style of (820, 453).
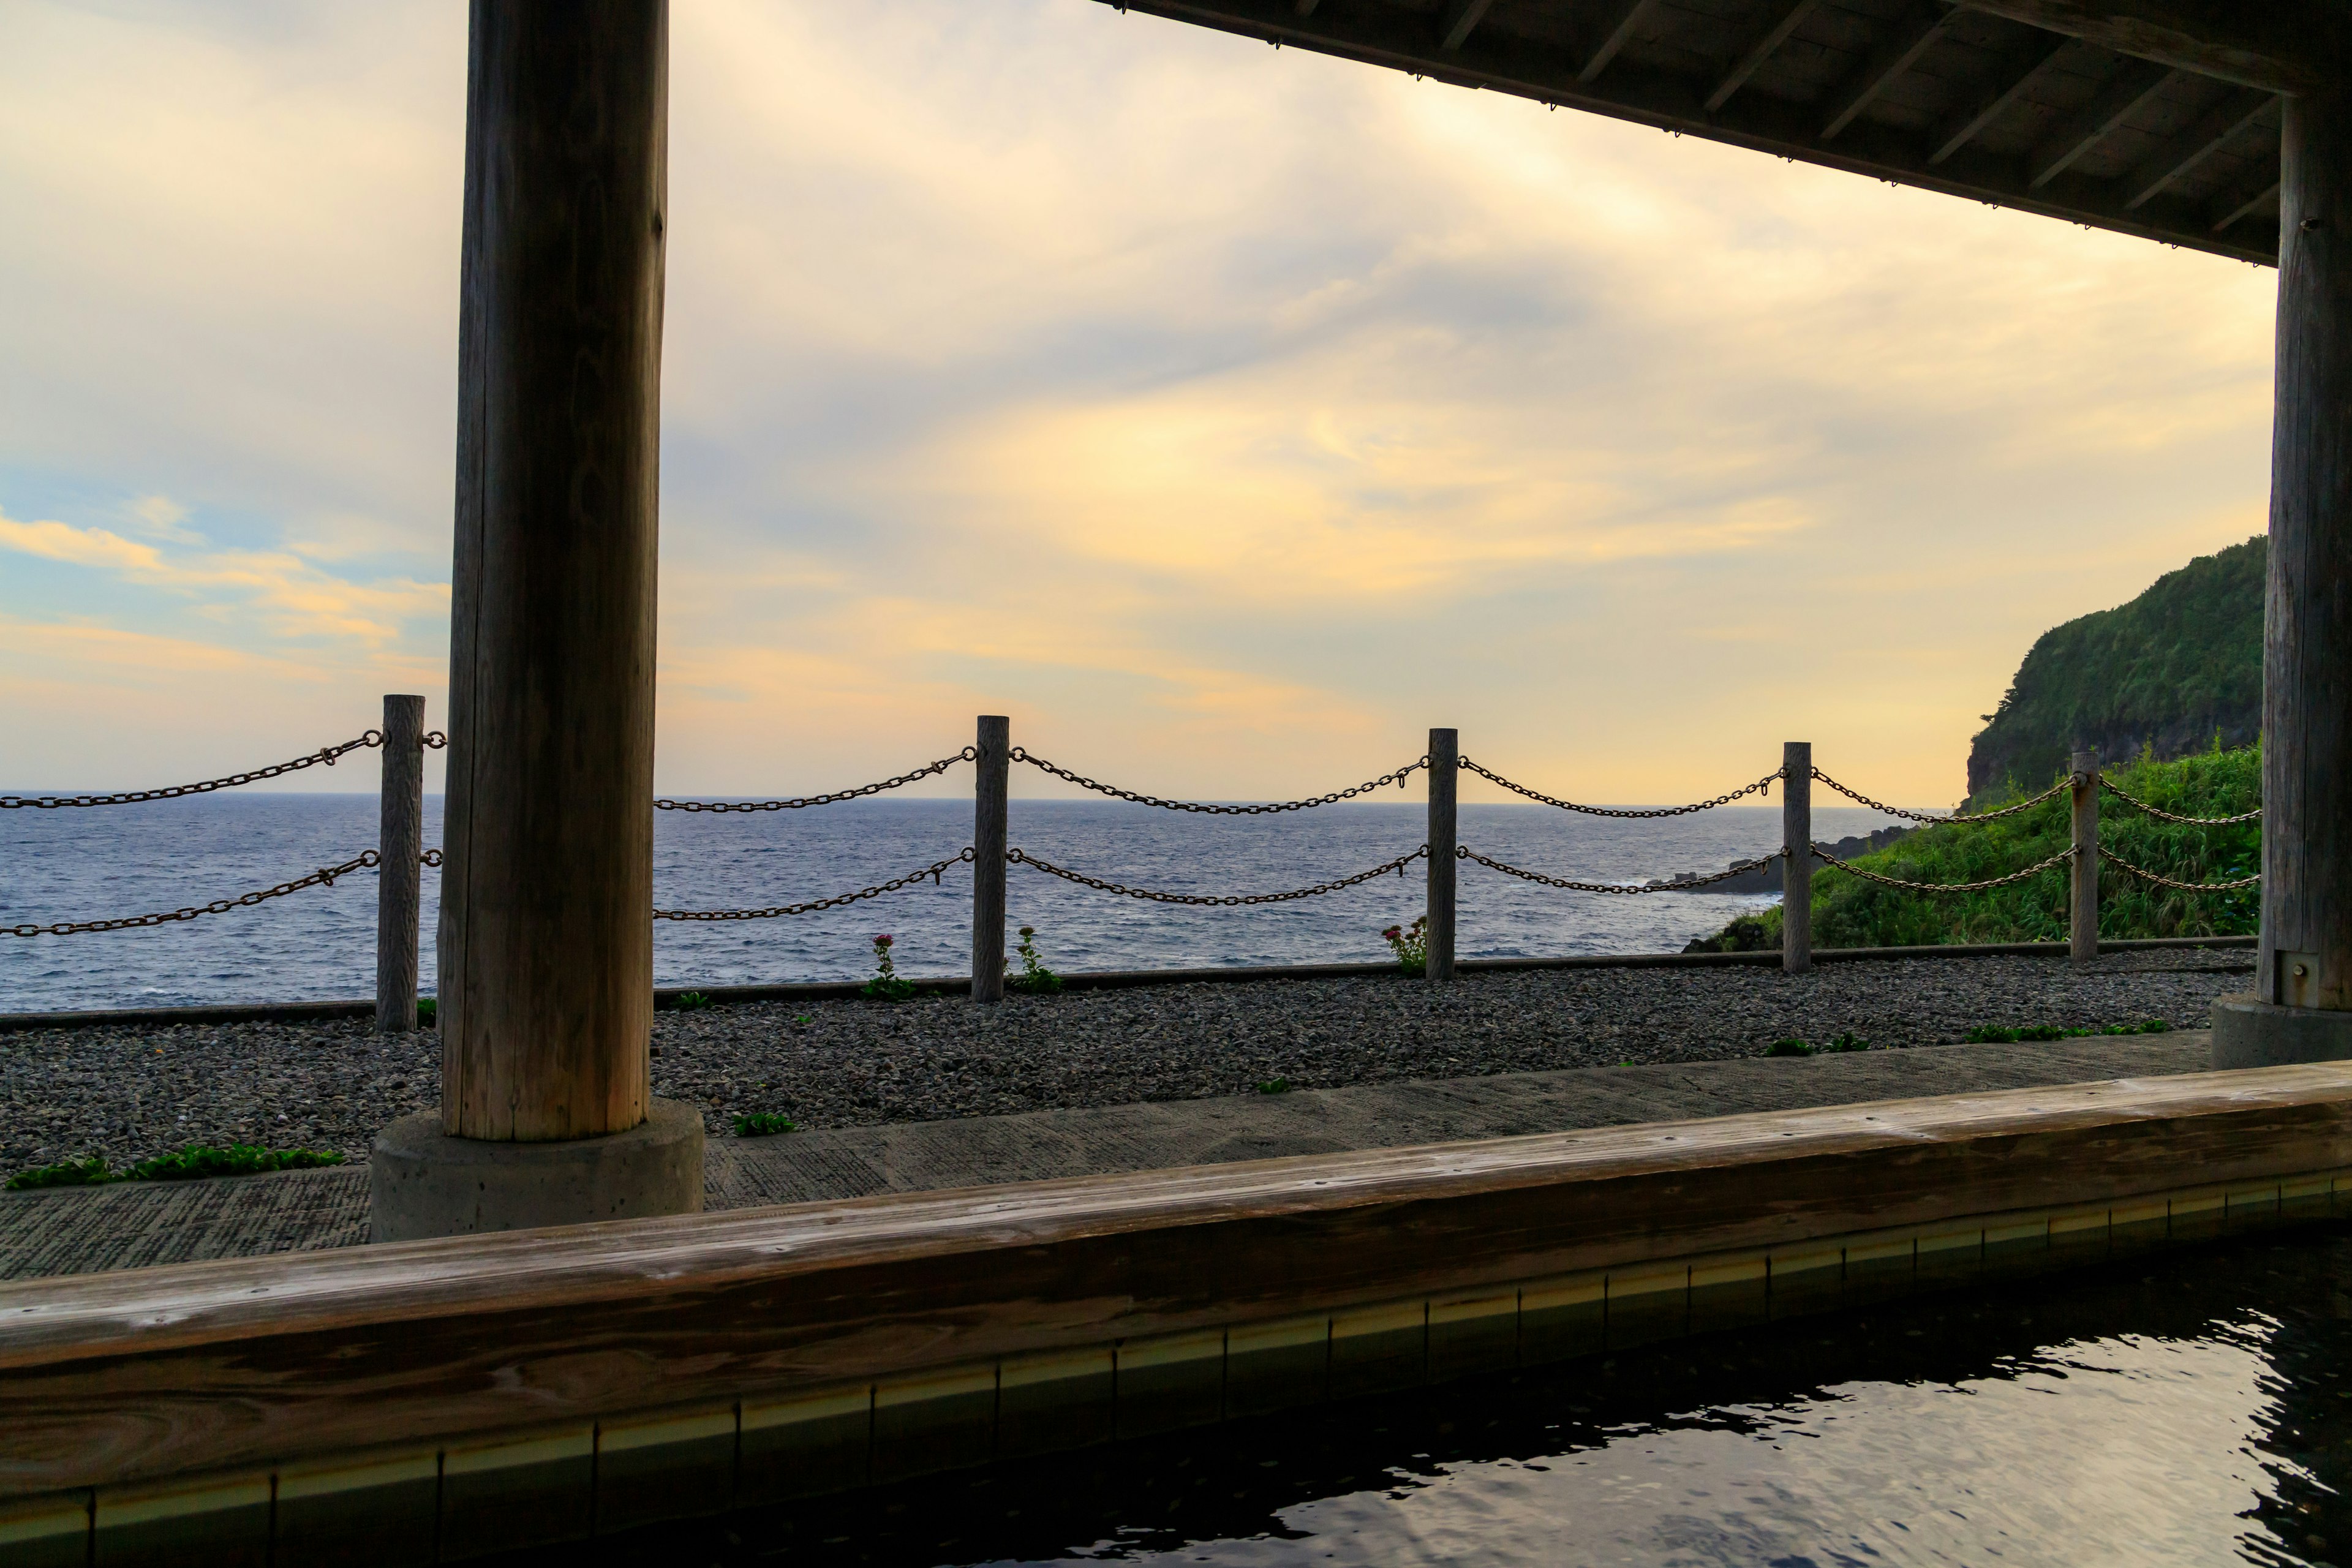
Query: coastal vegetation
(1849, 911)
(2175, 670)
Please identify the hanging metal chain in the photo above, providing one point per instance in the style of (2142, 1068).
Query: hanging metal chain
(1023, 857)
(2033, 871)
(797, 801)
(2061, 787)
(1492, 777)
(1740, 870)
(1396, 778)
(2147, 876)
(323, 877)
(326, 754)
(435, 740)
(836, 901)
(2164, 815)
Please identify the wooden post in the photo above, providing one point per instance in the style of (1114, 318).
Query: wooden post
(2083, 938)
(400, 839)
(2305, 959)
(1444, 835)
(990, 791)
(1797, 857)
(546, 948)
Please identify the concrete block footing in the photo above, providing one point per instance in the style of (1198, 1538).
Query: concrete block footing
(2250, 1033)
(423, 1182)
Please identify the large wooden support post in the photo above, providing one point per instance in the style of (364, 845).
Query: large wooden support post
(546, 940)
(1445, 837)
(2082, 905)
(400, 840)
(2301, 1008)
(991, 809)
(1796, 856)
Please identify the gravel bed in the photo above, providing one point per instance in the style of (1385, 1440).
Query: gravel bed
(130, 1092)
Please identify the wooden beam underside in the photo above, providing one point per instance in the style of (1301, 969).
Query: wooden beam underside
(2145, 116)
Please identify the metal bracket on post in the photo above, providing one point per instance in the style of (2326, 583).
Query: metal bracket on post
(400, 841)
(1444, 835)
(2082, 934)
(1797, 857)
(989, 810)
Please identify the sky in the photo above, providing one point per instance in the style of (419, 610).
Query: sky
(1227, 417)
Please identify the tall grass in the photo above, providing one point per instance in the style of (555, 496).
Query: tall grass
(1850, 912)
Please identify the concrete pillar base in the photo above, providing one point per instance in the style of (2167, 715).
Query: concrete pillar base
(423, 1182)
(2249, 1033)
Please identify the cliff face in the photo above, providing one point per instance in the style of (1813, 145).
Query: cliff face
(2168, 671)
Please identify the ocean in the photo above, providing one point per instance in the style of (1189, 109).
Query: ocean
(82, 864)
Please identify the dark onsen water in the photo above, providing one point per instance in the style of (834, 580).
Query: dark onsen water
(2184, 1409)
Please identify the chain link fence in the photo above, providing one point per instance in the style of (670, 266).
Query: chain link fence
(1207, 808)
(324, 877)
(800, 802)
(1023, 857)
(2061, 787)
(933, 872)
(2145, 875)
(1739, 870)
(2163, 815)
(2033, 871)
(1759, 787)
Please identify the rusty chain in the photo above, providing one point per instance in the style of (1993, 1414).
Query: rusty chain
(2164, 815)
(2147, 876)
(2033, 871)
(1207, 808)
(2059, 788)
(324, 875)
(1021, 857)
(798, 802)
(836, 901)
(326, 754)
(1741, 868)
(1492, 777)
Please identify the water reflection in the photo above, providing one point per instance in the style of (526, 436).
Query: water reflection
(2188, 1409)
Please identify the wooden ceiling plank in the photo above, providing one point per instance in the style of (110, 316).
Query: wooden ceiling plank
(2236, 111)
(1915, 35)
(1788, 16)
(2023, 69)
(2137, 83)
(1304, 7)
(1460, 17)
(1630, 15)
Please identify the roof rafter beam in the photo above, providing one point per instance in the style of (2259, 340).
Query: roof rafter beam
(2279, 45)
(2137, 82)
(2238, 205)
(1614, 37)
(1913, 36)
(1460, 17)
(1787, 17)
(2022, 70)
(2236, 111)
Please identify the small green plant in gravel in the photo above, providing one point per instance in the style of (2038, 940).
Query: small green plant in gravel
(1791, 1046)
(1274, 1085)
(762, 1125)
(428, 1012)
(1994, 1034)
(1034, 977)
(1847, 1040)
(691, 1001)
(886, 985)
(191, 1164)
(1411, 945)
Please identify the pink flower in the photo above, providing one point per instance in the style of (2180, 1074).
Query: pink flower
(883, 940)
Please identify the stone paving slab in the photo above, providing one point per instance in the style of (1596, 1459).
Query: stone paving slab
(80, 1230)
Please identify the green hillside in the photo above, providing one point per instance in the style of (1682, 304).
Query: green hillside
(2165, 675)
(1850, 912)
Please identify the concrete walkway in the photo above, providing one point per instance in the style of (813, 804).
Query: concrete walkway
(82, 1230)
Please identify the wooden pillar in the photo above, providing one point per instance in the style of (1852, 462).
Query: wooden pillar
(1444, 835)
(400, 839)
(2082, 905)
(1796, 856)
(991, 807)
(2307, 934)
(546, 942)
